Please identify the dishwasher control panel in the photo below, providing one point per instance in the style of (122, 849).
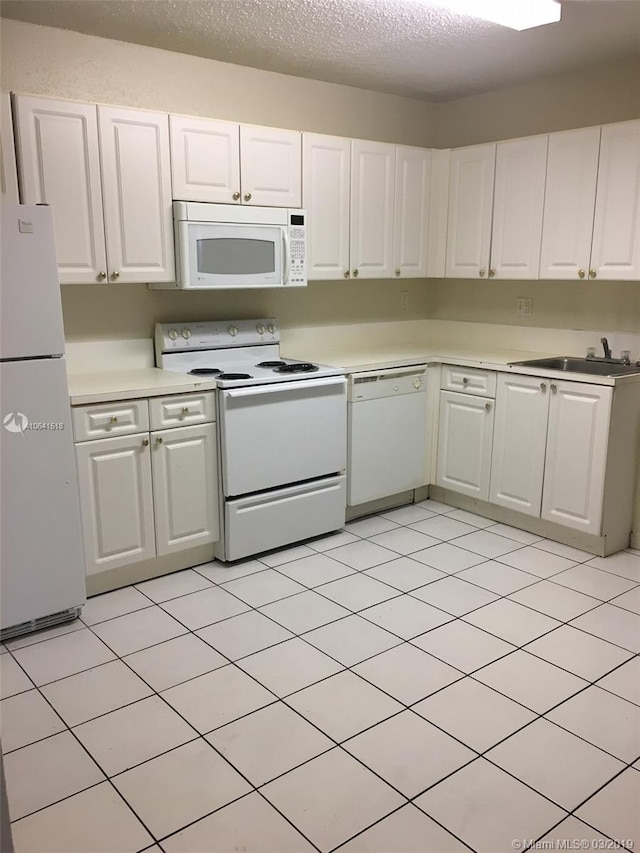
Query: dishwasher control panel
(377, 384)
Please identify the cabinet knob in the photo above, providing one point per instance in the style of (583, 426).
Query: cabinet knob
(145, 442)
(487, 406)
(482, 272)
(554, 388)
(236, 196)
(543, 387)
(492, 272)
(115, 275)
(159, 439)
(185, 410)
(398, 271)
(347, 273)
(101, 276)
(355, 273)
(113, 419)
(580, 273)
(592, 273)
(465, 380)
(247, 196)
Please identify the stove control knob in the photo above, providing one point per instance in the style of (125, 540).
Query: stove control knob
(271, 329)
(186, 334)
(260, 328)
(173, 334)
(417, 382)
(232, 331)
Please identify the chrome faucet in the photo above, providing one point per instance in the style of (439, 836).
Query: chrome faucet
(606, 347)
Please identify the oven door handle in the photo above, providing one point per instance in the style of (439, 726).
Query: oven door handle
(285, 253)
(305, 385)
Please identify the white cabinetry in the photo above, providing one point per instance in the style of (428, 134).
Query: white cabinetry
(80, 158)
(465, 431)
(470, 207)
(145, 494)
(574, 470)
(517, 208)
(519, 442)
(572, 171)
(221, 161)
(8, 170)
(615, 252)
(369, 207)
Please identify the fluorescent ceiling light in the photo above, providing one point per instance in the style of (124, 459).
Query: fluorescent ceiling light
(516, 14)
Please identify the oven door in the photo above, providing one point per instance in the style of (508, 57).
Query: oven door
(276, 435)
(232, 255)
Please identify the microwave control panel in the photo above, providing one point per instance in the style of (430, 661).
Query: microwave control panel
(297, 243)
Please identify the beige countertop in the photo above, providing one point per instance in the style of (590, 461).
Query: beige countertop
(106, 386)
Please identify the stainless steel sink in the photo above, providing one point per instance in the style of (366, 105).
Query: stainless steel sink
(570, 364)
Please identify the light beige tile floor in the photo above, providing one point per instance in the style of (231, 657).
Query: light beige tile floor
(426, 681)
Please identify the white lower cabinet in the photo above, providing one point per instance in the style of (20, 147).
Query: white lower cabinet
(148, 494)
(519, 442)
(464, 443)
(185, 487)
(577, 440)
(114, 477)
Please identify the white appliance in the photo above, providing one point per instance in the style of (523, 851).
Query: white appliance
(387, 430)
(42, 562)
(224, 246)
(283, 429)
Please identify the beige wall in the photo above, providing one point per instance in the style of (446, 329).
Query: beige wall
(601, 306)
(599, 95)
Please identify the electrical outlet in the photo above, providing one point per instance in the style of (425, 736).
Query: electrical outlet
(524, 306)
(404, 301)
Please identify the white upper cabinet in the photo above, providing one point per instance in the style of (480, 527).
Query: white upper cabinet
(616, 233)
(136, 176)
(372, 203)
(517, 208)
(58, 153)
(470, 208)
(8, 169)
(270, 166)
(106, 173)
(575, 465)
(411, 220)
(572, 170)
(205, 160)
(326, 183)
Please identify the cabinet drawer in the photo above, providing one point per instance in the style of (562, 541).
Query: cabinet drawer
(110, 419)
(182, 410)
(468, 380)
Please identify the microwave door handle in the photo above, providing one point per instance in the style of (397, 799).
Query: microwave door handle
(285, 253)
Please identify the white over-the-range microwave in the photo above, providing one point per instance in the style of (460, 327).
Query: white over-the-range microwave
(226, 246)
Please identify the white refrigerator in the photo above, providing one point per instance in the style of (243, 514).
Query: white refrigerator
(41, 557)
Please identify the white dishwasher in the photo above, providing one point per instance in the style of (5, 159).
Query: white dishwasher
(387, 432)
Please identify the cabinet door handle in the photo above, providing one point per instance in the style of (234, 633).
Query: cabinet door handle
(554, 388)
(592, 273)
(465, 380)
(115, 275)
(235, 196)
(482, 272)
(185, 410)
(492, 272)
(113, 419)
(398, 271)
(543, 387)
(159, 440)
(487, 406)
(355, 273)
(101, 276)
(347, 273)
(247, 196)
(580, 273)
(145, 442)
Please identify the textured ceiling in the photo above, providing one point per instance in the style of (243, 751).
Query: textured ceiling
(406, 47)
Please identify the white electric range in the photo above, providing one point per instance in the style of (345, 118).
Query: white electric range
(282, 432)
